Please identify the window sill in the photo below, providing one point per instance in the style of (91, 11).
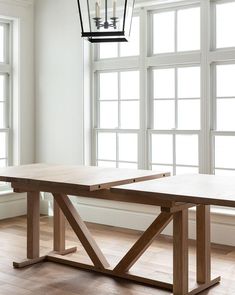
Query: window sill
(8, 195)
(6, 192)
(219, 215)
(227, 211)
(223, 211)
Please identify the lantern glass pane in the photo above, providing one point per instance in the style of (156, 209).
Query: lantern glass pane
(101, 17)
(132, 47)
(129, 13)
(84, 14)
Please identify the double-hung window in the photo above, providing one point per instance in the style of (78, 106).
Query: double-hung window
(117, 103)
(176, 119)
(166, 100)
(5, 93)
(223, 82)
(175, 92)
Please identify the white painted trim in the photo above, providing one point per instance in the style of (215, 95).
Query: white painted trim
(118, 214)
(172, 59)
(139, 217)
(87, 92)
(12, 205)
(18, 2)
(164, 4)
(117, 63)
(45, 207)
(221, 55)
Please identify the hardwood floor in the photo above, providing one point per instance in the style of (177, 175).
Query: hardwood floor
(50, 278)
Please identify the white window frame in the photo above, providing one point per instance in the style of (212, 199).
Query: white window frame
(117, 130)
(207, 57)
(175, 131)
(217, 56)
(6, 69)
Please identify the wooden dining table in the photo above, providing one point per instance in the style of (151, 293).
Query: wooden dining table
(64, 181)
(185, 191)
(174, 195)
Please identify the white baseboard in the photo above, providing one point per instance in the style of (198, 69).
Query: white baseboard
(44, 207)
(139, 217)
(221, 233)
(12, 205)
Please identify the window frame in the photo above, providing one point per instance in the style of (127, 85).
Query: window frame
(174, 8)
(96, 119)
(214, 27)
(174, 131)
(207, 57)
(6, 69)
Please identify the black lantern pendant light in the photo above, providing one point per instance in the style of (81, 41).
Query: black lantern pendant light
(106, 20)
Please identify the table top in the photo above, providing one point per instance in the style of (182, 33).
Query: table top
(77, 177)
(193, 188)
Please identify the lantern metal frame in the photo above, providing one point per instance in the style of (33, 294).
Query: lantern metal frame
(106, 36)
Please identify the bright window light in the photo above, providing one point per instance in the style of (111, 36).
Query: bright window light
(164, 32)
(164, 83)
(224, 152)
(187, 150)
(225, 22)
(188, 29)
(189, 82)
(106, 146)
(162, 149)
(108, 86)
(128, 147)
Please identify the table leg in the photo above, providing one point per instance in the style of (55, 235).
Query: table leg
(203, 244)
(81, 231)
(33, 220)
(59, 232)
(59, 229)
(180, 253)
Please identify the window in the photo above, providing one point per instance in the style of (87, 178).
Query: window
(225, 22)
(5, 98)
(223, 94)
(167, 102)
(118, 113)
(176, 30)
(176, 118)
(224, 139)
(113, 50)
(176, 97)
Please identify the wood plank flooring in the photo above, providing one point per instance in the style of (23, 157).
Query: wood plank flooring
(50, 278)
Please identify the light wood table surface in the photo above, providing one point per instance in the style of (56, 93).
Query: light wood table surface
(192, 188)
(94, 182)
(200, 190)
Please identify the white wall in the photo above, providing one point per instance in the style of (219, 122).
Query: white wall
(21, 12)
(59, 82)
